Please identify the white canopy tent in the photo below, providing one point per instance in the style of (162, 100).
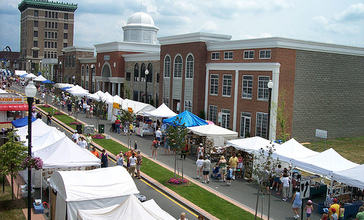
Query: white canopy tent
(63, 85)
(161, 112)
(353, 176)
(250, 145)
(131, 208)
(39, 78)
(20, 72)
(78, 91)
(292, 150)
(47, 139)
(30, 75)
(324, 163)
(217, 133)
(117, 99)
(42, 129)
(93, 189)
(137, 106)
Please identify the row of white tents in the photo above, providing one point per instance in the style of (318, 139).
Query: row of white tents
(81, 193)
(327, 163)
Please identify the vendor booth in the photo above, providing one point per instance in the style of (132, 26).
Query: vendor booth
(187, 118)
(131, 208)
(215, 138)
(292, 150)
(11, 108)
(88, 190)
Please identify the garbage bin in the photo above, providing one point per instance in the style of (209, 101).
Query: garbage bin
(101, 128)
(79, 129)
(37, 101)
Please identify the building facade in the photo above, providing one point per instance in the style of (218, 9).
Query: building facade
(46, 27)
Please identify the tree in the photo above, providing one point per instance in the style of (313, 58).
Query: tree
(282, 118)
(177, 136)
(263, 168)
(126, 118)
(12, 154)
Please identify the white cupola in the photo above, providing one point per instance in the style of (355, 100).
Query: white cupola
(140, 28)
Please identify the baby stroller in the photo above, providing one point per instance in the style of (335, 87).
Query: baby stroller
(215, 173)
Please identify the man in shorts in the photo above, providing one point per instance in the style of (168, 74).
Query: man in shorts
(206, 170)
(167, 148)
(233, 162)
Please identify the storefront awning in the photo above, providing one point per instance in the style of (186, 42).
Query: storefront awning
(14, 107)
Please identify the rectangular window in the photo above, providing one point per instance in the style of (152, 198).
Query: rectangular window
(56, 25)
(247, 87)
(45, 44)
(226, 86)
(245, 124)
(35, 23)
(66, 26)
(262, 125)
(225, 123)
(55, 35)
(52, 24)
(188, 106)
(65, 36)
(66, 16)
(35, 53)
(228, 55)
(49, 44)
(53, 14)
(213, 113)
(215, 56)
(35, 43)
(52, 44)
(35, 33)
(55, 54)
(49, 34)
(264, 54)
(36, 13)
(65, 45)
(214, 84)
(45, 23)
(128, 75)
(263, 87)
(46, 14)
(45, 34)
(249, 54)
(56, 14)
(55, 44)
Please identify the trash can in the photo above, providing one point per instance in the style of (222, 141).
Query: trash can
(101, 128)
(79, 129)
(37, 101)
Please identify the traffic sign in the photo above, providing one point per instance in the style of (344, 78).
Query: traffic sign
(305, 189)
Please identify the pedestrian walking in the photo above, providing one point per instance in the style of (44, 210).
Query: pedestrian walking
(233, 162)
(158, 134)
(49, 119)
(308, 209)
(82, 143)
(120, 159)
(94, 152)
(154, 148)
(206, 170)
(184, 151)
(139, 162)
(296, 203)
(229, 175)
(127, 156)
(222, 168)
(75, 136)
(285, 183)
(199, 164)
(88, 140)
(200, 151)
(132, 160)
(104, 159)
(135, 145)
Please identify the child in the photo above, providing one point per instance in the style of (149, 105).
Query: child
(341, 211)
(229, 175)
(308, 209)
(325, 216)
(135, 145)
(334, 215)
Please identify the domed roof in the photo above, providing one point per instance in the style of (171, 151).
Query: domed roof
(141, 18)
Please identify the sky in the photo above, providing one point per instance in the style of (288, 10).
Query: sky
(100, 21)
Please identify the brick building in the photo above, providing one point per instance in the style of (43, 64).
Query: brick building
(46, 27)
(314, 85)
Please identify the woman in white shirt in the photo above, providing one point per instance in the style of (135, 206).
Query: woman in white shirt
(285, 183)
(199, 164)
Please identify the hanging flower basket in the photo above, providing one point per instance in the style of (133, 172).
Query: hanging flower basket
(46, 106)
(32, 162)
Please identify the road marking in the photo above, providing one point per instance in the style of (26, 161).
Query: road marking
(169, 198)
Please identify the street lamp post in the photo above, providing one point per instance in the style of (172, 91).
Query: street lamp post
(40, 66)
(30, 66)
(60, 72)
(30, 92)
(146, 85)
(270, 86)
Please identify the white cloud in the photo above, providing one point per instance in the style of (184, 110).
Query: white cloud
(209, 26)
(352, 13)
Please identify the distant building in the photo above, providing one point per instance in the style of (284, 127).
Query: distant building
(46, 27)
(9, 60)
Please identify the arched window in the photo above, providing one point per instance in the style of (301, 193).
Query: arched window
(142, 73)
(82, 71)
(167, 66)
(177, 72)
(106, 71)
(87, 72)
(189, 67)
(150, 75)
(136, 72)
